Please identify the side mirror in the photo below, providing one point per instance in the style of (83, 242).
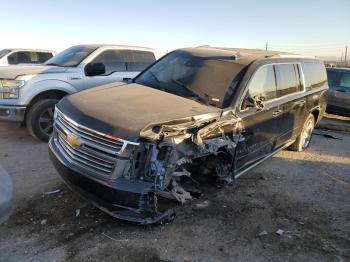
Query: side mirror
(259, 102)
(127, 79)
(95, 69)
(255, 102)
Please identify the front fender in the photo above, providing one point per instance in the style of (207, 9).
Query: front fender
(43, 86)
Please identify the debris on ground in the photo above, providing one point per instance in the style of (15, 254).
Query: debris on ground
(262, 233)
(52, 192)
(77, 212)
(114, 239)
(280, 232)
(43, 222)
(203, 205)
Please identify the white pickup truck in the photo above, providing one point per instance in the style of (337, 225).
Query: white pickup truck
(28, 94)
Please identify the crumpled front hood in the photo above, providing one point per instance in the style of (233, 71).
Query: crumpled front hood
(12, 72)
(123, 110)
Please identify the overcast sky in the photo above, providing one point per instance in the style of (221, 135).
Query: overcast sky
(309, 27)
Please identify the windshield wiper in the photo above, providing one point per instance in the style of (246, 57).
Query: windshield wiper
(204, 98)
(53, 64)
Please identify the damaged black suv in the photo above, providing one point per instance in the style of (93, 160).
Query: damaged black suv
(195, 114)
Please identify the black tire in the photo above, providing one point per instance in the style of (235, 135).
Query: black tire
(40, 119)
(304, 138)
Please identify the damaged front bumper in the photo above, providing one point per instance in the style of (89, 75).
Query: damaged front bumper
(121, 198)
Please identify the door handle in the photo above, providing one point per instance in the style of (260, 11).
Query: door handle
(74, 78)
(277, 113)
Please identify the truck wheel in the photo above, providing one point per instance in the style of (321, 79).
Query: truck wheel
(40, 119)
(303, 140)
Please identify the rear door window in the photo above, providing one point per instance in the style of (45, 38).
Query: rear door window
(114, 60)
(263, 83)
(139, 60)
(288, 79)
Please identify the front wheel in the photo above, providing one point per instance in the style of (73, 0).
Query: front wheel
(303, 140)
(40, 119)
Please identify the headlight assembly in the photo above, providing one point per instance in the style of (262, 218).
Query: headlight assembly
(10, 88)
(12, 83)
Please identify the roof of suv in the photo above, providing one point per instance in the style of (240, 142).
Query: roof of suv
(239, 55)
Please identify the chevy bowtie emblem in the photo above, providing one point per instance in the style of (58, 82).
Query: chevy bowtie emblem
(74, 140)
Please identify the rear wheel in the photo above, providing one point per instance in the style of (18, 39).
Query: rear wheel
(303, 140)
(40, 119)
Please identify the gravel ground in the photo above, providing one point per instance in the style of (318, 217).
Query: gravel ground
(304, 194)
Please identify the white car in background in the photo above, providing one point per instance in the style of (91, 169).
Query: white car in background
(24, 56)
(28, 94)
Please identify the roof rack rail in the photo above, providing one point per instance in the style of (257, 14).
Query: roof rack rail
(293, 56)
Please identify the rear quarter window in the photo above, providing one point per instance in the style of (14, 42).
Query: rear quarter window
(314, 74)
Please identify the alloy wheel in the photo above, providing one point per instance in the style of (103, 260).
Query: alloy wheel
(46, 121)
(307, 133)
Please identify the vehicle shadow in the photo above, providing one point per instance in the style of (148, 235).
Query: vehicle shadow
(14, 131)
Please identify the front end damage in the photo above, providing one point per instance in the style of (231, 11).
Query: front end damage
(169, 163)
(177, 155)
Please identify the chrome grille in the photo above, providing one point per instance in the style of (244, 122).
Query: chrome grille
(97, 153)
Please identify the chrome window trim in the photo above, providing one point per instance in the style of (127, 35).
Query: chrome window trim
(277, 98)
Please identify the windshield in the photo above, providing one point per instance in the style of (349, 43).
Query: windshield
(4, 52)
(206, 79)
(72, 56)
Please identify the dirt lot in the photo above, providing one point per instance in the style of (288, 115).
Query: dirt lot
(304, 194)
